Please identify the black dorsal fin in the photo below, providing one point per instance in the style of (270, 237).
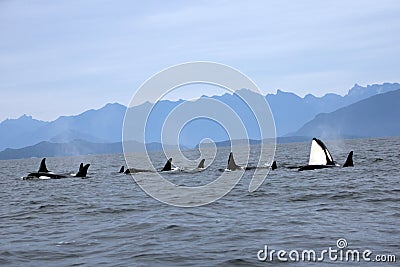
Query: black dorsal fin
(83, 171)
(349, 160)
(168, 165)
(231, 163)
(274, 166)
(122, 169)
(81, 167)
(43, 167)
(201, 164)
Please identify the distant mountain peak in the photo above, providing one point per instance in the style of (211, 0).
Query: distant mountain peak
(115, 104)
(373, 89)
(24, 117)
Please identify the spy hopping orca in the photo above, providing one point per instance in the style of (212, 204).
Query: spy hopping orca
(321, 158)
(44, 173)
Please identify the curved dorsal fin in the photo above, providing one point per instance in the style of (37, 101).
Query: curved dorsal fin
(168, 165)
(201, 164)
(43, 167)
(274, 166)
(231, 163)
(122, 169)
(83, 170)
(349, 160)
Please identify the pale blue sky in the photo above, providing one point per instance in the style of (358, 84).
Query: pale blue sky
(63, 57)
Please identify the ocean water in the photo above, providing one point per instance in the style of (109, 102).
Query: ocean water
(107, 220)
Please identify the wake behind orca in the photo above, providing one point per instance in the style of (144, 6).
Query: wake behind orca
(321, 158)
(44, 173)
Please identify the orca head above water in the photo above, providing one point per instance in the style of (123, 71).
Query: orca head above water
(321, 158)
(319, 154)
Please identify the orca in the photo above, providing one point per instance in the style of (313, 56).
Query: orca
(274, 166)
(200, 167)
(167, 166)
(349, 160)
(122, 169)
(232, 166)
(134, 170)
(321, 158)
(201, 164)
(44, 173)
(82, 170)
(43, 167)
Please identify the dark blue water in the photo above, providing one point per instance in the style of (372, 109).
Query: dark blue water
(108, 220)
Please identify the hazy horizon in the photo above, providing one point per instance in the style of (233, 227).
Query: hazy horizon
(62, 57)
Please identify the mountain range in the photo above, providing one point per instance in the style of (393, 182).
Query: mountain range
(363, 111)
(376, 116)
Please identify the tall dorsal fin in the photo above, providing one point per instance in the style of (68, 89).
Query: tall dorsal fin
(83, 170)
(122, 169)
(319, 154)
(274, 166)
(231, 163)
(168, 165)
(43, 167)
(349, 160)
(81, 166)
(201, 164)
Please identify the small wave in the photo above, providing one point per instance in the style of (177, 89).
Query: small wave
(172, 226)
(238, 262)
